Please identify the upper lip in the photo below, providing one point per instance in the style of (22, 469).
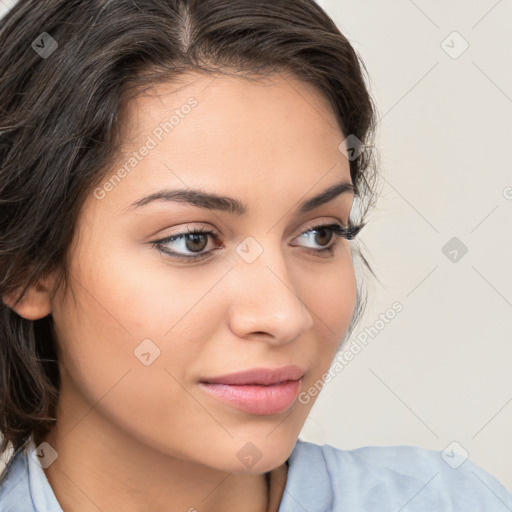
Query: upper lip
(262, 376)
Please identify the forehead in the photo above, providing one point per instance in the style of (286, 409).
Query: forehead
(199, 110)
(231, 135)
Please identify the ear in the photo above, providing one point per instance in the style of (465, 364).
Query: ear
(36, 302)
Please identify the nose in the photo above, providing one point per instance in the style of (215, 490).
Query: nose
(265, 300)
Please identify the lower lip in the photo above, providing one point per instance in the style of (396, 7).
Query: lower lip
(257, 399)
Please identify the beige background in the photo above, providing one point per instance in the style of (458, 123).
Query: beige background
(440, 370)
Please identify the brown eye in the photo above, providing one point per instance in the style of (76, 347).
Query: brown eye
(188, 245)
(322, 235)
(196, 242)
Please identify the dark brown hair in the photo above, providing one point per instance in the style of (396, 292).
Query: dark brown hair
(60, 132)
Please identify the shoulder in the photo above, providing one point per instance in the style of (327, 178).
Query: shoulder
(14, 484)
(401, 478)
(23, 484)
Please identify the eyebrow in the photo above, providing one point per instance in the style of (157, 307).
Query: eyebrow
(210, 201)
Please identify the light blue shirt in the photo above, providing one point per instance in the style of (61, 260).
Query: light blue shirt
(325, 479)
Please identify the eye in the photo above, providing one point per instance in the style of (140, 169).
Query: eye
(324, 233)
(196, 241)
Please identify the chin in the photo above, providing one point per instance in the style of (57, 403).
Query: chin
(262, 454)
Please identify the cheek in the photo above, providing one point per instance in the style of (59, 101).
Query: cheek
(124, 309)
(115, 314)
(331, 297)
(127, 314)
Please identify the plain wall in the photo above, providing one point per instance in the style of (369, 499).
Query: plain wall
(439, 371)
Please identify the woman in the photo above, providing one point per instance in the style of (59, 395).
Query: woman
(138, 371)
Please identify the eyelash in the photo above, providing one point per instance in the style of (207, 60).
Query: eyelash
(339, 231)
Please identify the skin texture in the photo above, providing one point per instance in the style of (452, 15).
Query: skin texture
(133, 437)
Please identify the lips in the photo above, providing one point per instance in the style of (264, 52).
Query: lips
(259, 376)
(259, 391)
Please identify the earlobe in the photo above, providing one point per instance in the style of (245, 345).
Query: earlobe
(35, 304)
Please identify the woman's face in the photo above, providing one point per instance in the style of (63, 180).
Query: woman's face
(139, 329)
